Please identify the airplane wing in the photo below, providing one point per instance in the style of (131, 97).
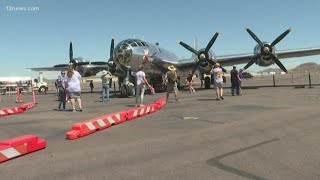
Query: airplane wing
(230, 60)
(60, 68)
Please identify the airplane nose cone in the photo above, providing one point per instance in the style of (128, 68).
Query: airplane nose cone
(123, 53)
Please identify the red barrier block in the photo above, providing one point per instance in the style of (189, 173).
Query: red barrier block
(141, 111)
(90, 126)
(161, 103)
(28, 106)
(19, 146)
(10, 111)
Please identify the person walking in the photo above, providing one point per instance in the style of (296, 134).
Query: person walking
(105, 78)
(141, 83)
(91, 86)
(235, 81)
(189, 81)
(61, 92)
(217, 73)
(74, 88)
(170, 81)
(240, 80)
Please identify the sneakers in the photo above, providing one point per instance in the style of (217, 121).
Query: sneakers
(222, 98)
(74, 110)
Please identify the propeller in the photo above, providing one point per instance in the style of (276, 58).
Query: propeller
(111, 63)
(75, 61)
(203, 55)
(266, 49)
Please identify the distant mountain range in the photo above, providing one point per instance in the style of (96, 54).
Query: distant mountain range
(302, 68)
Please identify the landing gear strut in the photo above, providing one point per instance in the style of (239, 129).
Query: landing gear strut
(127, 88)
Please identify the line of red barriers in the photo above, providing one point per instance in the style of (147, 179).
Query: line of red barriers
(17, 110)
(15, 147)
(92, 125)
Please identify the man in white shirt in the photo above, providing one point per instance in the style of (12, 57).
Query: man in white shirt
(217, 73)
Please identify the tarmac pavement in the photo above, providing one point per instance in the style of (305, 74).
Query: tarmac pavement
(267, 133)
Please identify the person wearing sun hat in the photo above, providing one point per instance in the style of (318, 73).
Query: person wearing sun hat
(105, 78)
(217, 73)
(170, 81)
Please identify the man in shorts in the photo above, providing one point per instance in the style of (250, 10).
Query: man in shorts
(217, 73)
(171, 82)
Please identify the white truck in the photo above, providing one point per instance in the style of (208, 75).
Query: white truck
(9, 84)
(39, 85)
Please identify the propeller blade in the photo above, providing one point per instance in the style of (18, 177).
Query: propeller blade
(253, 60)
(280, 37)
(188, 47)
(211, 61)
(213, 39)
(111, 49)
(70, 52)
(277, 61)
(223, 69)
(254, 37)
(195, 67)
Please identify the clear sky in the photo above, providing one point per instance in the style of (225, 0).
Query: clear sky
(40, 35)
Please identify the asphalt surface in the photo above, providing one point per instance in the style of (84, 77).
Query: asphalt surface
(267, 133)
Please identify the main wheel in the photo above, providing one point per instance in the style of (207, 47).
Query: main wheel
(207, 82)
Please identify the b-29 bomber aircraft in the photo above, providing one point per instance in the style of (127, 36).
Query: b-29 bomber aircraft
(130, 53)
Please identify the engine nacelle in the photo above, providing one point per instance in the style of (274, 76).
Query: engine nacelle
(266, 50)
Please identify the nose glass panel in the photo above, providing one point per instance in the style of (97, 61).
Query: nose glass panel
(123, 53)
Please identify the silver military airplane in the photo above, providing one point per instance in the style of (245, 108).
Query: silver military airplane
(128, 54)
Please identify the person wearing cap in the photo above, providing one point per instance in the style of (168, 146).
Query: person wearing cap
(235, 80)
(105, 78)
(217, 73)
(141, 83)
(170, 81)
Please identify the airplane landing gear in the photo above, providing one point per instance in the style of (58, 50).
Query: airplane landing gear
(207, 82)
(127, 90)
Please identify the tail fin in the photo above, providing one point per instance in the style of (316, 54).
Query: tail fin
(195, 46)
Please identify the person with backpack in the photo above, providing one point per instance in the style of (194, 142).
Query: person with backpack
(170, 81)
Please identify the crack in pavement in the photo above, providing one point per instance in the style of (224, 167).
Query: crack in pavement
(216, 161)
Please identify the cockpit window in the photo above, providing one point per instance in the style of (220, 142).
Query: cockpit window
(139, 43)
(133, 44)
(144, 44)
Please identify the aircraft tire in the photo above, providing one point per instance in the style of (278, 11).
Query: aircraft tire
(207, 83)
(131, 90)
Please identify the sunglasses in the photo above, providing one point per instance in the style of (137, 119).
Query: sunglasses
(63, 73)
